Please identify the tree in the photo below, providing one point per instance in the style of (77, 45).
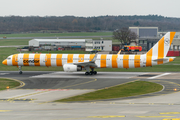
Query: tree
(136, 23)
(124, 35)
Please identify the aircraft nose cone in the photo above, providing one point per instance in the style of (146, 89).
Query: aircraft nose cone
(4, 62)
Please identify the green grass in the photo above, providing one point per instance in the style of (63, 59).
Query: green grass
(57, 34)
(7, 42)
(7, 82)
(125, 90)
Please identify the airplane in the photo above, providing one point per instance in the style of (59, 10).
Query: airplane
(78, 62)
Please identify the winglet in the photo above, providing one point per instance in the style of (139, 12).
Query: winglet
(95, 57)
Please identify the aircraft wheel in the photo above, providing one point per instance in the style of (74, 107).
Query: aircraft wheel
(91, 73)
(86, 73)
(20, 72)
(95, 72)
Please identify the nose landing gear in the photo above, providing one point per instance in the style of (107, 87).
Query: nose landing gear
(20, 72)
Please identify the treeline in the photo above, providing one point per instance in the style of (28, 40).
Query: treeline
(10, 24)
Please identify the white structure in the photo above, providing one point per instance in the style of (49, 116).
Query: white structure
(88, 44)
(57, 42)
(103, 45)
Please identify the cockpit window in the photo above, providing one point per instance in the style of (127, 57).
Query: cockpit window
(9, 58)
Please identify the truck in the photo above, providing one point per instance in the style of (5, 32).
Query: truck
(131, 48)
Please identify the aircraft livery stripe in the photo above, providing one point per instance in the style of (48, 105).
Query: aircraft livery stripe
(81, 58)
(53, 59)
(5, 62)
(31, 58)
(48, 59)
(108, 62)
(103, 61)
(37, 58)
(26, 60)
(59, 59)
(160, 50)
(131, 61)
(149, 58)
(14, 60)
(70, 58)
(114, 61)
(137, 61)
(125, 61)
(91, 57)
(171, 37)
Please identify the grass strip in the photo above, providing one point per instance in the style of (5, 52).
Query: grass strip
(125, 90)
(7, 82)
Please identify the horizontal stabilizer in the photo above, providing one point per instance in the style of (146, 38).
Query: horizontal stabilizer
(164, 59)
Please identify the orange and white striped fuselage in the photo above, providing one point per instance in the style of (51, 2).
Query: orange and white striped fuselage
(102, 61)
(76, 62)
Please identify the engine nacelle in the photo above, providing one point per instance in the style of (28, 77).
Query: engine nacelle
(71, 68)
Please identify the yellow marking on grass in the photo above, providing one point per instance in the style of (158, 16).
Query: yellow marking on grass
(22, 83)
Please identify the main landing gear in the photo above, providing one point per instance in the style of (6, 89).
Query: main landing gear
(92, 72)
(20, 72)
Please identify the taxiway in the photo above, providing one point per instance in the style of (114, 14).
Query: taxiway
(34, 98)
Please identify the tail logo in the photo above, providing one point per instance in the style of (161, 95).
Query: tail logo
(166, 41)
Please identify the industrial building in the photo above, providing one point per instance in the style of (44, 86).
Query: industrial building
(148, 43)
(84, 44)
(145, 32)
(146, 37)
(102, 45)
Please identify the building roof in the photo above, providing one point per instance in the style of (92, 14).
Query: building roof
(143, 27)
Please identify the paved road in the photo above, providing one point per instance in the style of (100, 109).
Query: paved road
(34, 99)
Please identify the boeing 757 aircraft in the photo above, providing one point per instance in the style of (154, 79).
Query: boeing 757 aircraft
(77, 62)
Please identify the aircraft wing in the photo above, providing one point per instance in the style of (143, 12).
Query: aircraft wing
(90, 63)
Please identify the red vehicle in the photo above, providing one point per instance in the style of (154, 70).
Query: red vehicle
(132, 48)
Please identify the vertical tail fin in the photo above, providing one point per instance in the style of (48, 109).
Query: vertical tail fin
(161, 48)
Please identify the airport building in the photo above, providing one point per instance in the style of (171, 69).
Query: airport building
(145, 32)
(83, 44)
(148, 43)
(146, 37)
(149, 36)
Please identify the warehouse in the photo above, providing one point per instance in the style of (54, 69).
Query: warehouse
(70, 44)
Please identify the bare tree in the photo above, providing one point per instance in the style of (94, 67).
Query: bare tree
(124, 35)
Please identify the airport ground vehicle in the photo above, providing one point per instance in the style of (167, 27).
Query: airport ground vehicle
(131, 48)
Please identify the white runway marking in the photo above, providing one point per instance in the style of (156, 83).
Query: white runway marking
(159, 75)
(4, 73)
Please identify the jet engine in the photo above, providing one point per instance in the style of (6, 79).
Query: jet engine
(71, 68)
